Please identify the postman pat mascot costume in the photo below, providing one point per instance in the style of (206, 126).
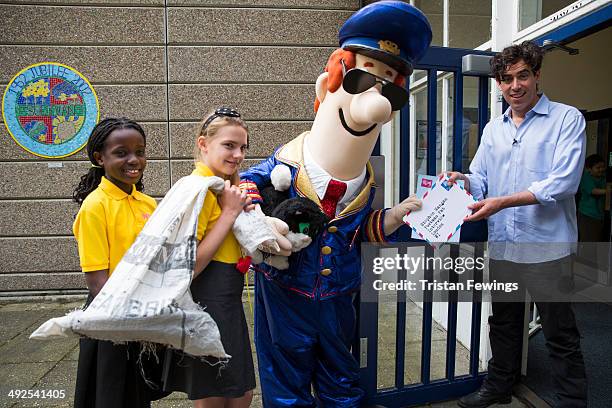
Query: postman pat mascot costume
(304, 316)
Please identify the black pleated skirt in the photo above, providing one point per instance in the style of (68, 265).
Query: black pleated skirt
(219, 289)
(110, 375)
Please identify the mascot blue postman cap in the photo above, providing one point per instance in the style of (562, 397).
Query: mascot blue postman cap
(393, 32)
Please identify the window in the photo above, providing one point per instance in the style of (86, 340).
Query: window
(532, 11)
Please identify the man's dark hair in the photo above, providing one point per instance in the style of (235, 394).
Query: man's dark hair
(527, 51)
(593, 160)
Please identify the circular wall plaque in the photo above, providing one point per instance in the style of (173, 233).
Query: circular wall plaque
(50, 109)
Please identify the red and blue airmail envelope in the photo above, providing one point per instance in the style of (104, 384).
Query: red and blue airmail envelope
(444, 208)
(424, 184)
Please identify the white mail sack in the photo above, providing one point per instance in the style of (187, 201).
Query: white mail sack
(147, 297)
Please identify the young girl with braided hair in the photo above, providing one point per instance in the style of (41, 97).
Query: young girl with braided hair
(112, 212)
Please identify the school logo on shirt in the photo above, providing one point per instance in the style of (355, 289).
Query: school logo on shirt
(50, 109)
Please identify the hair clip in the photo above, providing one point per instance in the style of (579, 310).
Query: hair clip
(221, 111)
(226, 111)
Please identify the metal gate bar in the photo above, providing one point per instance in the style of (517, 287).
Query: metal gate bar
(451, 333)
(458, 123)
(432, 103)
(400, 333)
(366, 349)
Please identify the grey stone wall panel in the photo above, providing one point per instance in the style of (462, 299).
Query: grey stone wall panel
(470, 8)
(182, 168)
(10, 150)
(182, 140)
(469, 31)
(141, 103)
(428, 6)
(137, 102)
(39, 255)
(254, 26)
(142, 64)
(261, 57)
(37, 217)
(250, 162)
(156, 178)
(157, 140)
(141, 3)
(81, 25)
(255, 102)
(157, 145)
(37, 180)
(436, 22)
(264, 137)
(42, 281)
(266, 64)
(319, 4)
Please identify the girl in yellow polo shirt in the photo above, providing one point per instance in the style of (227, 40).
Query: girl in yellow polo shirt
(221, 142)
(113, 211)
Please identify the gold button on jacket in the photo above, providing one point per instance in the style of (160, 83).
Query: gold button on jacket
(326, 250)
(326, 272)
(332, 229)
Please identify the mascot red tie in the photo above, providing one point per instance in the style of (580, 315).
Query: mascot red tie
(333, 194)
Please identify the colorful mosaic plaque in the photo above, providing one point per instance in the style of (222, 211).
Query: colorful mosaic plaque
(50, 109)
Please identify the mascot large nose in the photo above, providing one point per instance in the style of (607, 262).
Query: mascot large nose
(370, 107)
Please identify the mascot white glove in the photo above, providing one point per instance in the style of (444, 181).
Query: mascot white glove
(394, 215)
(256, 233)
(273, 252)
(280, 230)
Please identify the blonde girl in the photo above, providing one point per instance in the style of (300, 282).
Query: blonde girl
(220, 147)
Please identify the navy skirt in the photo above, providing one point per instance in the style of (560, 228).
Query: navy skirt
(219, 289)
(110, 375)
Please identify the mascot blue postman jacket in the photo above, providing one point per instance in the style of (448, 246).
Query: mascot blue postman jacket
(305, 319)
(304, 316)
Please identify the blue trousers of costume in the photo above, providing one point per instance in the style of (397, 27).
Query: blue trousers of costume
(302, 342)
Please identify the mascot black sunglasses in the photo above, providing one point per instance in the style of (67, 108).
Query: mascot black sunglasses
(356, 81)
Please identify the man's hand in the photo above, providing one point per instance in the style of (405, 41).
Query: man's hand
(489, 206)
(485, 208)
(453, 176)
(394, 215)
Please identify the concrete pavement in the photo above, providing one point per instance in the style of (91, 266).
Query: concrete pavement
(49, 367)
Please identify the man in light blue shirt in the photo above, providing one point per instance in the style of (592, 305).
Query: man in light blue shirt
(525, 174)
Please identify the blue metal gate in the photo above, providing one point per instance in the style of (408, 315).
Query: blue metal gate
(424, 390)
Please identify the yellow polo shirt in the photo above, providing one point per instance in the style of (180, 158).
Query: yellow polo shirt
(229, 251)
(107, 225)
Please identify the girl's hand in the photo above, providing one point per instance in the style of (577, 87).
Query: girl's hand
(233, 200)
